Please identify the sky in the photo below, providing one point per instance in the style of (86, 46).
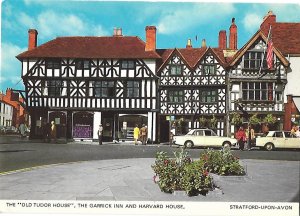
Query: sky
(176, 22)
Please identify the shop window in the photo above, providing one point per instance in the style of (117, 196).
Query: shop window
(133, 89)
(176, 96)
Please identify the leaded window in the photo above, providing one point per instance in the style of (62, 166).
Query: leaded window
(82, 64)
(127, 64)
(258, 91)
(209, 96)
(54, 87)
(209, 69)
(104, 89)
(133, 89)
(176, 96)
(175, 70)
(53, 63)
(252, 60)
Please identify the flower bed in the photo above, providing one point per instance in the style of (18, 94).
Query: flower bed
(182, 173)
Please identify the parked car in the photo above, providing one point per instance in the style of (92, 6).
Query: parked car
(203, 138)
(278, 139)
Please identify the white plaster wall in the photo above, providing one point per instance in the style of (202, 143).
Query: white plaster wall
(151, 64)
(151, 122)
(293, 78)
(6, 113)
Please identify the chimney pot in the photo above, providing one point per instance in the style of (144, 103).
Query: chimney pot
(268, 20)
(233, 35)
(150, 38)
(189, 44)
(117, 32)
(32, 39)
(203, 44)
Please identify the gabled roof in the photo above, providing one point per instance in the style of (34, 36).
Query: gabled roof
(286, 37)
(92, 47)
(191, 56)
(258, 34)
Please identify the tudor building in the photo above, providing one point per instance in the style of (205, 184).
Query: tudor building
(80, 82)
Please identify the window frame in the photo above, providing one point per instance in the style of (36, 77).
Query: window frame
(133, 91)
(179, 94)
(103, 89)
(258, 91)
(209, 66)
(206, 94)
(252, 61)
(125, 64)
(178, 69)
(54, 90)
(53, 64)
(82, 64)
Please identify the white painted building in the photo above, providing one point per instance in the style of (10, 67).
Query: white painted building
(6, 114)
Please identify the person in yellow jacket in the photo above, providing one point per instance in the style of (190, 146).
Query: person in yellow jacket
(136, 133)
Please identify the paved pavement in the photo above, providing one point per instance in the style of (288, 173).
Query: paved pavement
(132, 180)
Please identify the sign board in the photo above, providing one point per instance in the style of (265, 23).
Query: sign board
(124, 125)
(168, 118)
(172, 118)
(57, 121)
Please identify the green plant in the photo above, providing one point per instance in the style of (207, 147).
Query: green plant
(236, 119)
(196, 179)
(202, 121)
(254, 120)
(269, 119)
(221, 162)
(213, 122)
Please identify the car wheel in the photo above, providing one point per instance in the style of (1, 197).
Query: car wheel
(269, 146)
(188, 144)
(226, 145)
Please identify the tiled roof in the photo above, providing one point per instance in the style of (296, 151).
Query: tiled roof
(92, 47)
(286, 37)
(192, 55)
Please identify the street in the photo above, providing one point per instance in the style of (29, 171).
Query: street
(16, 153)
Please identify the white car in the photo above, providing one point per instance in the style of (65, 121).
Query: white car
(203, 138)
(278, 139)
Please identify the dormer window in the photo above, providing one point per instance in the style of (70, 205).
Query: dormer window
(175, 70)
(53, 63)
(209, 69)
(127, 64)
(252, 60)
(82, 64)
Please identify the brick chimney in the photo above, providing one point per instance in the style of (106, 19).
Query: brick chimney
(268, 20)
(32, 39)
(189, 44)
(150, 38)
(222, 40)
(233, 35)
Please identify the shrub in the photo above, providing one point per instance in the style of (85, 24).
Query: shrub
(222, 162)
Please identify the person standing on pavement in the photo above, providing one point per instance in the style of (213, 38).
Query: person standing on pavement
(136, 133)
(22, 129)
(100, 134)
(241, 137)
(250, 137)
(144, 133)
(53, 131)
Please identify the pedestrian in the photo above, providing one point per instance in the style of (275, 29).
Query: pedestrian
(241, 137)
(53, 132)
(293, 131)
(250, 137)
(100, 134)
(144, 133)
(136, 133)
(22, 129)
(297, 132)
